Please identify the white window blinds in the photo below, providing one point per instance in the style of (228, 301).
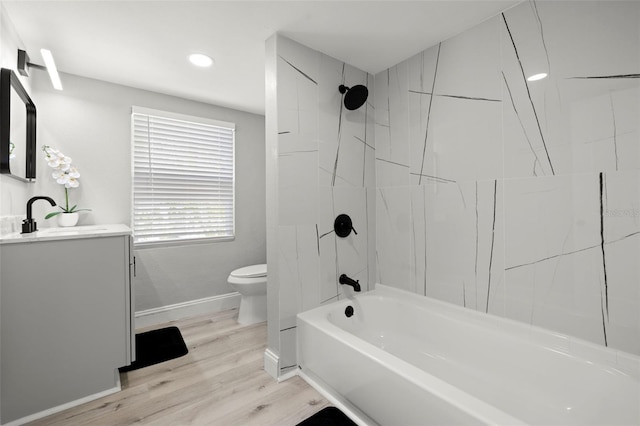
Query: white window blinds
(183, 178)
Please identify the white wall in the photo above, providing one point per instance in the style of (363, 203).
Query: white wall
(90, 122)
(514, 198)
(13, 193)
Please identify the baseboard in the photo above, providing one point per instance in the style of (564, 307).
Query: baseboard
(57, 409)
(178, 311)
(271, 362)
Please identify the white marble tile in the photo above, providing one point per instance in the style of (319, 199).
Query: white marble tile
(397, 88)
(308, 264)
(621, 231)
(297, 182)
(550, 216)
(345, 136)
(560, 271)
(391, 127)
(347, 255)
(420, 75)
(370, 196)
(562, 294)
(393, 232)
(297, 99)
(288, 276)
(288, 346)
(573, 119)
(465, 244)
(469, 64)
(418, 240)
(465, 140)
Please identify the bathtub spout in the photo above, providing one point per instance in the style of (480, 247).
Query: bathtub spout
(348, 281)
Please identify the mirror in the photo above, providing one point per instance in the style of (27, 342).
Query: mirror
(17, 129)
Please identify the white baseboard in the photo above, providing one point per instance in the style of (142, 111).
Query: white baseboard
(272, 367)
(271, 362)
(63, 407)
(178, 311)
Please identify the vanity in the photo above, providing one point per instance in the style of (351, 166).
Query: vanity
(66, 317)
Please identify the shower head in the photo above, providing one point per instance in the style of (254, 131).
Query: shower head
(355, 96)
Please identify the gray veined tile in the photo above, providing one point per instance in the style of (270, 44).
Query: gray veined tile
(393, 236)
(527, 139)
(465, 253)
(469, 64)
(298, 182)
(418, 241)
(344, 134)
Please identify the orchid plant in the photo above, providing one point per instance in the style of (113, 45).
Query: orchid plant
(65, 174)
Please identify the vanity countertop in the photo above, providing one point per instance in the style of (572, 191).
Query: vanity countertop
(71, 233)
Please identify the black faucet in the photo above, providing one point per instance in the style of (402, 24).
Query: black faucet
(348, 281)
(29, 225)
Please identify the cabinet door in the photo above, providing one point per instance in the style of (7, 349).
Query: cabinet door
(63, 321)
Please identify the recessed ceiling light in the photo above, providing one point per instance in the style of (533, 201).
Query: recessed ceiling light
(200, 60)
(536, 77)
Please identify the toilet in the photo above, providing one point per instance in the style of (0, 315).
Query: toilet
(251, 283)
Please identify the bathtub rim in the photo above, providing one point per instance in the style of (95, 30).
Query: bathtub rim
(622, 362)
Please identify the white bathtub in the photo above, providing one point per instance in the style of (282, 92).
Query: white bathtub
(403, 359)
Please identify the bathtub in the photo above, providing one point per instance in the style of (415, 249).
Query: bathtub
(403, 359)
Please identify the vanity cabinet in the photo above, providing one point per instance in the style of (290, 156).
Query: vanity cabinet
(66, 317)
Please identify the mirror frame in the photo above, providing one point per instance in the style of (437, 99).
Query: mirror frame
(8, 81)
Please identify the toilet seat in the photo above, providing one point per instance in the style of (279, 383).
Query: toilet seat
(252, 271)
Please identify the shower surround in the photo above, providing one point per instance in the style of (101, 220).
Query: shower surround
(474, 186)
(512, 197)
(320, 163)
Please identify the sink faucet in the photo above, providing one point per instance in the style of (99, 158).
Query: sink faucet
(348, 281)
(29, 225)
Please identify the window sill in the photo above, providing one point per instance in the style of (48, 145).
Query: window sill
(178, 243)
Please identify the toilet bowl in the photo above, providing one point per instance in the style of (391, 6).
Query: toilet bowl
(251, 283)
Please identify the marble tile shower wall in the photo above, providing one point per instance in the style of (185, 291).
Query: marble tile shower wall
(326, 165)
(516, 198)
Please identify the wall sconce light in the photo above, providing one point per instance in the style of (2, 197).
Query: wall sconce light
(24, 64)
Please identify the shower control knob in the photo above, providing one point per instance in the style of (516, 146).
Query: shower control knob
(343, 226)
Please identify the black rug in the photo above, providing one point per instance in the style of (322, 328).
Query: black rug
(155, 346)
(328, 416)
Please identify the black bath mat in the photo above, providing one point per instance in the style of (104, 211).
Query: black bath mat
(155, 346)
(328, 416)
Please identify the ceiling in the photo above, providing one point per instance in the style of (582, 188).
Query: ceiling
(145, 44)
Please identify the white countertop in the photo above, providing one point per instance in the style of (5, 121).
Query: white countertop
(71, 233)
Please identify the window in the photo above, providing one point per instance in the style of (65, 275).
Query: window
(183, 178)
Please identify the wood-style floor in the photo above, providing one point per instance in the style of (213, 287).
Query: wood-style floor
(220, 381)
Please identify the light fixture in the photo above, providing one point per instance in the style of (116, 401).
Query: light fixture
(200, 60)
(537, 77)
(24, 65)
(47, 57)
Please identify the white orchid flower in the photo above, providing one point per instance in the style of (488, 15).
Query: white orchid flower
(71, 182)
(65, 174)
(63, 179)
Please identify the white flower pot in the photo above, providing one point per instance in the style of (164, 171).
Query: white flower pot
(68, 219)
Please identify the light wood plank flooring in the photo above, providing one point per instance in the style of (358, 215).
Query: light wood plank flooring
(220, 381)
